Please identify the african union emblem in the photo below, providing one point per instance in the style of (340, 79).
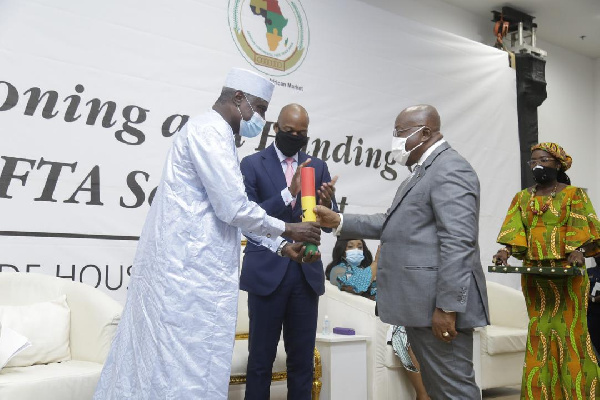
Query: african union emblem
(272, 35)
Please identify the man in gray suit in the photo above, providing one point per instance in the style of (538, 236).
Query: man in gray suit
(429, 275)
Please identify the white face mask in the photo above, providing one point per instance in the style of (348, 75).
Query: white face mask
(354, 257)
(399, 152)
(254, 126)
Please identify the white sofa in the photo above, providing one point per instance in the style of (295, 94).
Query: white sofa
(503, 342)
(94, 319)
(499, 348)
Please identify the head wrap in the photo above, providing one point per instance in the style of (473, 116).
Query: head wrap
(250, 82)
(557, 152)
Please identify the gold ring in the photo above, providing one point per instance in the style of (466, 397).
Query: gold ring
(445, 334)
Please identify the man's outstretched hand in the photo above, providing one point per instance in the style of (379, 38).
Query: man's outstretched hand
(303, 232)
(295, 251)
(295, 184)
(326, 217)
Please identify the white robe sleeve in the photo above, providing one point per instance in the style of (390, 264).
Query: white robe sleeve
(215, 160)
(270, 243)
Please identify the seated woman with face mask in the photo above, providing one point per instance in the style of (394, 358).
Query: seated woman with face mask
(353, 270)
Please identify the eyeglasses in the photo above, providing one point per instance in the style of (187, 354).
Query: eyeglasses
(397, 132)
(543, 160)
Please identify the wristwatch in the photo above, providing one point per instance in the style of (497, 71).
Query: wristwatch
(280, 248)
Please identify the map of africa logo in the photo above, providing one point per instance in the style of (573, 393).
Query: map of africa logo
(272, 35)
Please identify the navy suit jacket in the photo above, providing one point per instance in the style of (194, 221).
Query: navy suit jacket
(263, 270)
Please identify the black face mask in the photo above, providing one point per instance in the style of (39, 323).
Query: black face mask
(543, 174)
(288, 143)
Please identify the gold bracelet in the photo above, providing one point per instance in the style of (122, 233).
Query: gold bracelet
(507, 250)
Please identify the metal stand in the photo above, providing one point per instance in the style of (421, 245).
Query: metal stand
(531, 83)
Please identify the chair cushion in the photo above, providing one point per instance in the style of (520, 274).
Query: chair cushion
(46, 325)
(390, 359)
(239, 362)
(501, 339)
(11, 344)
(94, 314)
(69, 380)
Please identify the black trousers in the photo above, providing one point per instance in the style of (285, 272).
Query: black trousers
(294, 307)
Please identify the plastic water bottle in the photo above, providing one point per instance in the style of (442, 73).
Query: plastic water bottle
(326, 327)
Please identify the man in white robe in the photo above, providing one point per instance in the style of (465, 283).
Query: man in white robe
(176, 335)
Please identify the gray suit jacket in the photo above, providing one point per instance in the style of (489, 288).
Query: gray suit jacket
(429, 245)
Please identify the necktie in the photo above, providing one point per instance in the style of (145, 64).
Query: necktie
(289, 173)
(416, 170)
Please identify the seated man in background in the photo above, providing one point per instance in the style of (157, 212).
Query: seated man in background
(353, 270)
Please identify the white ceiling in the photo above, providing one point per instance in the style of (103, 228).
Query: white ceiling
(560, 22)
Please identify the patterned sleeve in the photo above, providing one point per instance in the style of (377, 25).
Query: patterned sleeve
(583, 227)
(513, 231)
(359, 279)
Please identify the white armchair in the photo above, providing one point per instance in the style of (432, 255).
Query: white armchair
(499, 350)
(503, 341)
(94, 319)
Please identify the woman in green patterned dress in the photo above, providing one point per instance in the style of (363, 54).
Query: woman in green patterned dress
(553, 224)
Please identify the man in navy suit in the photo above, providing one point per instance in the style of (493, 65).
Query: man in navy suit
(282, 292)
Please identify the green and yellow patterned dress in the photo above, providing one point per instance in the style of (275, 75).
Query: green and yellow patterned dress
(559, 362)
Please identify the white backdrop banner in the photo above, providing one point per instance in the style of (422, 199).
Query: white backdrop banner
(91, 94)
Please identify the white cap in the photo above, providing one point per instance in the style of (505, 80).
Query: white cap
(250, 82)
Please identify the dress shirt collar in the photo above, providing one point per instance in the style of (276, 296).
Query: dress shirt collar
(282, 156)
(429, 151)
